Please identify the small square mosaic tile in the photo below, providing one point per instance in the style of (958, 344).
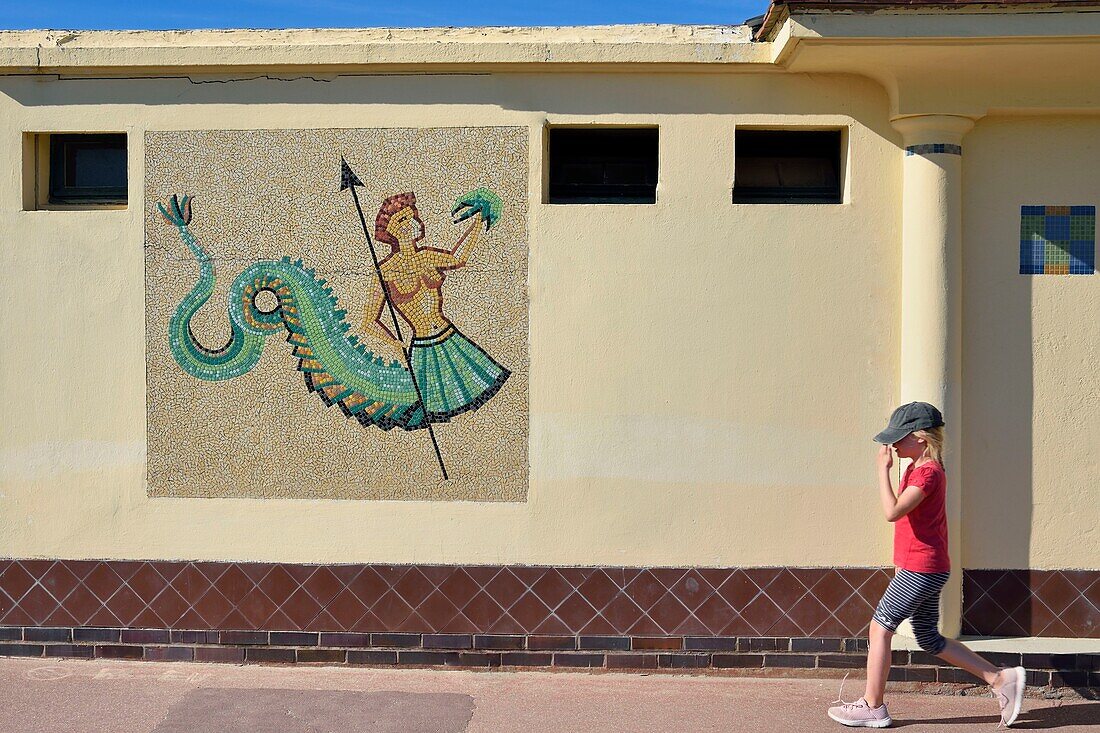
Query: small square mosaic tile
(1057, 240)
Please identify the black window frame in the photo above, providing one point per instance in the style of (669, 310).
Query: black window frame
(777, 143)
(62, 147)
(598, 148)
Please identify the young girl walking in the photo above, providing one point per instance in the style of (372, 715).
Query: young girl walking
(918, 512)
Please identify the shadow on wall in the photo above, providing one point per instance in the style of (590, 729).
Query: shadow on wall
(998, 388)
(561, 93)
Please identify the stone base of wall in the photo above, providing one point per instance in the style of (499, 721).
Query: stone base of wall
(755, 656)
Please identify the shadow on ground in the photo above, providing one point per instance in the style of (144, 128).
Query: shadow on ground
(1050, 716)
(219, 710)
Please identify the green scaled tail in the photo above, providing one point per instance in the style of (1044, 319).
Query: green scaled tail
(373, 390)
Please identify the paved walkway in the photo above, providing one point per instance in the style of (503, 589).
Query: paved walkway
(75, 696)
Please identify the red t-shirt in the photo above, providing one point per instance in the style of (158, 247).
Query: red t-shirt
(920, 537)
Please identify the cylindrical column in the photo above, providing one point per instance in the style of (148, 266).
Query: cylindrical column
(931, 303)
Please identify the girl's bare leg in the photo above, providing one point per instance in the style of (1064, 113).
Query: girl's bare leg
(961, 657)
(878, 663)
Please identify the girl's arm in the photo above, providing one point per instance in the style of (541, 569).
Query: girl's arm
(894, 507)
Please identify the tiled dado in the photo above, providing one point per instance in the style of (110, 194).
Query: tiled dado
(433, 599)
(1032, 603)
(518, 600)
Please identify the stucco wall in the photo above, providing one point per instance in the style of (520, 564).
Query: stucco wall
(1031, 353)
(705, 377)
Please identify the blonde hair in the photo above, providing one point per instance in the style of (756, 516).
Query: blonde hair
(933, 443)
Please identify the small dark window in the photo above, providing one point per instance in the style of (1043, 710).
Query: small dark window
(603, 166)
(87, 169)
(787, 167)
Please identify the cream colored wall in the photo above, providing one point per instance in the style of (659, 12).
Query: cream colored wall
(1031, 353)
(705, 377)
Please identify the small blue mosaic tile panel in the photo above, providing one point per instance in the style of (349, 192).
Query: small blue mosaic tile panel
(1057, 240)
(930, 148)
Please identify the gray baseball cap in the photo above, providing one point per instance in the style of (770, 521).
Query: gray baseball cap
(907, 418)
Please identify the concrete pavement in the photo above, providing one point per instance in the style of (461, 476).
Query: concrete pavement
(78, 696)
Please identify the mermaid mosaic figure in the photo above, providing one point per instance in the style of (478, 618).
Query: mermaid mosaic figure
(452, 373)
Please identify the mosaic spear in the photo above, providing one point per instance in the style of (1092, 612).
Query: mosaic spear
(348, 179)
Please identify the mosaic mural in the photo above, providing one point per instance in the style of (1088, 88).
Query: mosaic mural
(1057, 240)
(393, 264)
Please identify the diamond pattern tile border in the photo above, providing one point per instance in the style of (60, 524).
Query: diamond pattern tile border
(450, 599)
(1056, 603)
(438, 599)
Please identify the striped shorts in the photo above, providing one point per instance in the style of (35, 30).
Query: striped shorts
(914, 596)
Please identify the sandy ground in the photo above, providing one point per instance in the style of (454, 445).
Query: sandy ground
(75, 696)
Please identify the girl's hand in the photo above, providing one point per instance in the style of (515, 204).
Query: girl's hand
(885, 457)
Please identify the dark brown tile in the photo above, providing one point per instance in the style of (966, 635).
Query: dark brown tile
(219, 654)
(397, 641)
(622, 612)
(598, 590)
(631, 661)
(504, 588)
(284, 656)
(323, 585)
(448, 641)
(68, 650)
(59, 581)
(21, 650)
(372, 657)
(277, 584)
(326, 656)
(711, 643)
(170, 653)
(1011, 591)
(146, 636)
(842, 661)
(194, 637)
(730, 661)
(242, 638)
(716, 614)
(576, 659)
(482, 610)
(345, 610)
(391, 610)
(213, 607)
(807, 661)
(598, 626)
(437, 610)
(525, 659)
(514, 641)
(38, 604)
(738, 590)
(414, 587)
(656, 642)
(830, 644)
(300, 608)
(111, 651)
(552, 588)
(644, 590)
(684, 661)
(479, 659)
(450, 659)
(604, 643)
(530, 612)
(551, 642)
(576, 611)
(146, 582)
(460, 588)
(15, 581)
(36, 633)
(344, 639)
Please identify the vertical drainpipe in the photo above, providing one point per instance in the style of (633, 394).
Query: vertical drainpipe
(931, 302)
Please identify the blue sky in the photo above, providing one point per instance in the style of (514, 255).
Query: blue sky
(159, 14)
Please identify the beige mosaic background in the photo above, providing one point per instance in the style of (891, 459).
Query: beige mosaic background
(263, 194)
